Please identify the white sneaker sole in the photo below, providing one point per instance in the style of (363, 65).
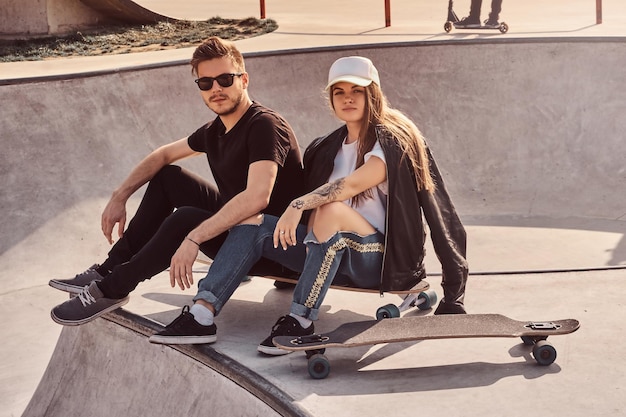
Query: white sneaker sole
(182, 340)
(72, 289)
(273, 351)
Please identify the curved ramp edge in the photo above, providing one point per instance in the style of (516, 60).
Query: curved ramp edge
(126, 11)
(108, 367)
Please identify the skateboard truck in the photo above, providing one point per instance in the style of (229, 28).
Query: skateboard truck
(543, 325)
(423, 301)
(312, 338)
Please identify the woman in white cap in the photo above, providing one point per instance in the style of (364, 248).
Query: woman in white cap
(365, 212)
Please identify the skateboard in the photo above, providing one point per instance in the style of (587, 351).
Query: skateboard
(453, 18)
(419, 296)
(414, 328)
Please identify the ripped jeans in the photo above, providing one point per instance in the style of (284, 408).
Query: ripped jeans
(345, 259)
(242, 249)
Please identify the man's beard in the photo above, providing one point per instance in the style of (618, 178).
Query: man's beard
(229, 110)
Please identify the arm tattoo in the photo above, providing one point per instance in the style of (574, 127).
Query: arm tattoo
(330, 191)
(322, 195)
(297, 204)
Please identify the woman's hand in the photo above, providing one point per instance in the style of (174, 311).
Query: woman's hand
(285, 232)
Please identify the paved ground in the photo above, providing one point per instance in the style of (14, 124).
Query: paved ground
(526, 126)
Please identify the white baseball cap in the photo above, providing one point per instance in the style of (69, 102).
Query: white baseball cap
(353, 69)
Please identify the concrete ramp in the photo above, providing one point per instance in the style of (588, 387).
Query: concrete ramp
(108, 368)
(529, 136)
(528, 133)
(125, 11)
(33, 17)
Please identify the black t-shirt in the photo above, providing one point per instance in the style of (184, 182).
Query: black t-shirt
(260, 135)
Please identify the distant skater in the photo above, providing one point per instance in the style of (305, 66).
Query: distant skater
(473, 20)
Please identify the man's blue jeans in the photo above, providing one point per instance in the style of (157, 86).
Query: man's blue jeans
(243, 248)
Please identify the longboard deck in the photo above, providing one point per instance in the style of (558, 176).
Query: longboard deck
(403, 329)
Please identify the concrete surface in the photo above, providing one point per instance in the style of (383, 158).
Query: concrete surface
(101, 370)
(37, 17)
(25, 18)
(526, 126)
(126, 11)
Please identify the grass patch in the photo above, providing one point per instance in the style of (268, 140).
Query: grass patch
(124, 39)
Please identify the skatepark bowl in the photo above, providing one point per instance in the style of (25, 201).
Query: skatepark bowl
(529, 135)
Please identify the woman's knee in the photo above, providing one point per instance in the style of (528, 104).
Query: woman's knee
(338, 216)
(330, 212)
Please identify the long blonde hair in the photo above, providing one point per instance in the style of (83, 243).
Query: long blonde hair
(402, 129)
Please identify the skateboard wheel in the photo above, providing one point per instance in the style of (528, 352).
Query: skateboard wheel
(310, 353)
(387, 312)
(544, 353)
(319, 366)
(428, 299)
(504, 28)
(447, 26)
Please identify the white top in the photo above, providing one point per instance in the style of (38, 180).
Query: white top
(372, 209)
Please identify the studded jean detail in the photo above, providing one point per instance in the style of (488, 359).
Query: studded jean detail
(345, 259)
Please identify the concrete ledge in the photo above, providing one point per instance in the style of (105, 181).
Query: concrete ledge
(108, 367)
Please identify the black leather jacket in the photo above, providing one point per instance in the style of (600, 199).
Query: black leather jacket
(403, 262)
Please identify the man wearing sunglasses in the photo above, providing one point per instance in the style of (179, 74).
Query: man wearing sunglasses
(256, 163)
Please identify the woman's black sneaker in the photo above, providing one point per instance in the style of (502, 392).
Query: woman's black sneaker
(285, 326)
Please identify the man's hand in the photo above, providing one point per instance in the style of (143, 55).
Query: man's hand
(114, 212)
(181, 266)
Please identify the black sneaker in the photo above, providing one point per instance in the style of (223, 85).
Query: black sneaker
(89, 304)
(285, 326)
(450, 308)
(75, 285)
(185, 330)
(493, 24)
(467, 22)
(282, 285)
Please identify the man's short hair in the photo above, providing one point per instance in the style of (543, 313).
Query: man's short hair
(213, 48)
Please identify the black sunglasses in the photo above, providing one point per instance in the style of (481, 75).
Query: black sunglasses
(224, 80)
